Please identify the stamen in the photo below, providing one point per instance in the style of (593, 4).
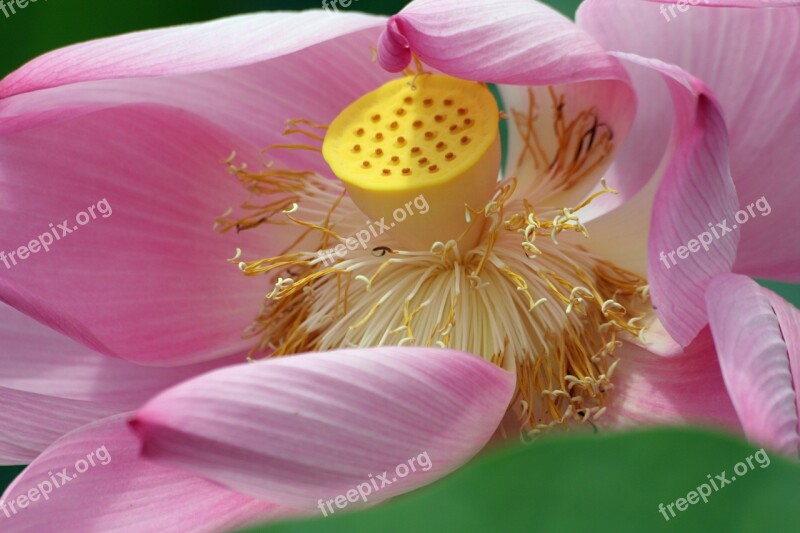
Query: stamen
(551, 311)
(582, 145)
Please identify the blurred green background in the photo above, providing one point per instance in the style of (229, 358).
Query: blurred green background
(41, 27)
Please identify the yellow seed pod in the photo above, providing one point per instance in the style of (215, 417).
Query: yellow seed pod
(432, 135)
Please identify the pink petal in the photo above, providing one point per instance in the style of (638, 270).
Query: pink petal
(253, 101)
(215, 45)
(118, 491)
(756, 334)
(30, 422)
(616, 108)
(294, 430)
(618, 231)
(740, 3)
(638, 161)
(749, 60)
(656, 340)
(51, 385)
(150, 281)
(39, 360)
(515, 42)
(685, 388)
(696, 191)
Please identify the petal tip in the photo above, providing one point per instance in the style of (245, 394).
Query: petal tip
(394, 52)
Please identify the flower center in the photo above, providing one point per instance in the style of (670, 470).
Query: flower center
(431, 135)
(482, 271)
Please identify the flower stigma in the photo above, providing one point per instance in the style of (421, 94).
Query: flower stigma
(432, 135)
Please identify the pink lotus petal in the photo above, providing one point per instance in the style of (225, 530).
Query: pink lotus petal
(696, 191)
(149, 282)
(39, 360)
(616, 108)
(639, 160)
(739, 3)
(118, 491)
(215, 45)
(515, 42)
(51, 385)
(620, 231)
(253, 101)
(685, 388)
(30, 422)
(759, 356)
(656, 340)
(749, 60)
(296, 429)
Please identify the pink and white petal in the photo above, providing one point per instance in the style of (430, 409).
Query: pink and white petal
(683, 389)
(695, 192)
(188, 49)
(749, 62)
(51, 385)
(120, 492)
(253, 101)
(656, 339)
(738, 3)
(756, 334)
(621, 234)
(297, 429)
(39, 360)
(689, 191)
(640, 161)
(514, 42)
(537, 119)
(147, 280)
(30, 422)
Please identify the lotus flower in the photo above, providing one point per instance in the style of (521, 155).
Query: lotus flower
(601, 280)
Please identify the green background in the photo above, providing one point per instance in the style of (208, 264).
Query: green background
(41, 27)
(591, 483)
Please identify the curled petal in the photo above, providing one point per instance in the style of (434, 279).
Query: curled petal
(749, 61)
(298, 429)
(94, 479)
(757, 335)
